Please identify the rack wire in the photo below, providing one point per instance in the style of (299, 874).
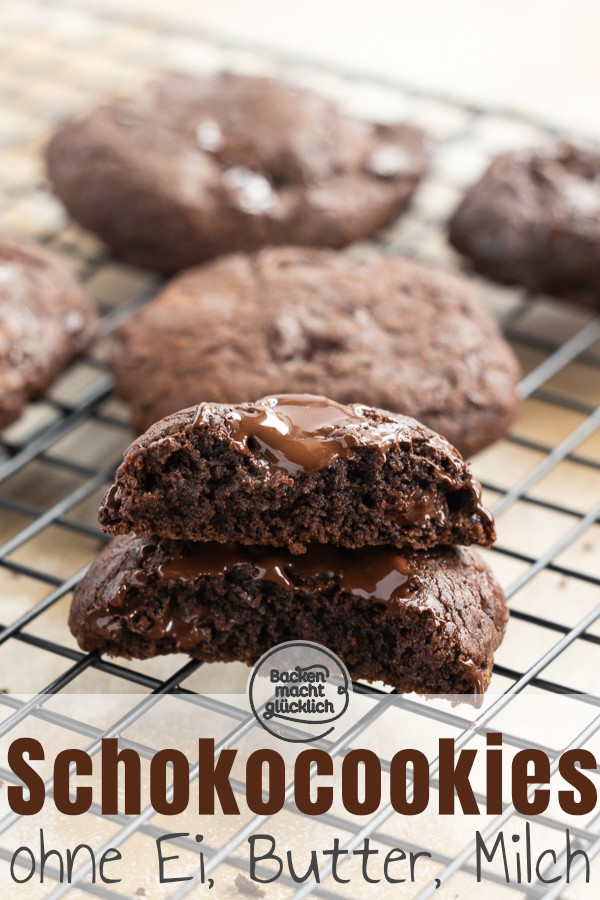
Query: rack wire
(542, 480)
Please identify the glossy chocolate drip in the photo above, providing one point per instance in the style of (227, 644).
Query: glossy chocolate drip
(474, 674)
(184, 625)
(379, 574)
(422, 508)
(305, 433)
(111, 500)
(302, 432)
(135, 579)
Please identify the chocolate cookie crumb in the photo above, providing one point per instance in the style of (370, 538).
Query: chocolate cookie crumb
(248, 887)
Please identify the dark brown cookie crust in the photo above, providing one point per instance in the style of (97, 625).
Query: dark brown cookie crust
(45, 321)
(534, 219)
(387, 331)
(439, 640)
(190, 168)
(184, 481)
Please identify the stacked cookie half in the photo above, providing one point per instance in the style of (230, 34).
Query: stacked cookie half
(295, 517)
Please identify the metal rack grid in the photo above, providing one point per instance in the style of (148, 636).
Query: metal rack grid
(559, 346)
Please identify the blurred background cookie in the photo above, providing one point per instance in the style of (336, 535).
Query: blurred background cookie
(534, 219)
(189, 168)
(45, 322)
(387, 331)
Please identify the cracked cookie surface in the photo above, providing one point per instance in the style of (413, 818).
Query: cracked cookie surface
(387, 331)
(189, 168)
(534, 219)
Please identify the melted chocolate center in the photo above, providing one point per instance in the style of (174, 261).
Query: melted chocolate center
(303, 432)
(378, 574)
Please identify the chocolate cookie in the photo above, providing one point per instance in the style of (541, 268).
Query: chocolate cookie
(45, 321)
(193, 167)
(534, 219)
(388, 331)
(425, 621)
(294, 470)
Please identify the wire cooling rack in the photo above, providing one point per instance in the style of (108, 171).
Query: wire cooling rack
(542, 480)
